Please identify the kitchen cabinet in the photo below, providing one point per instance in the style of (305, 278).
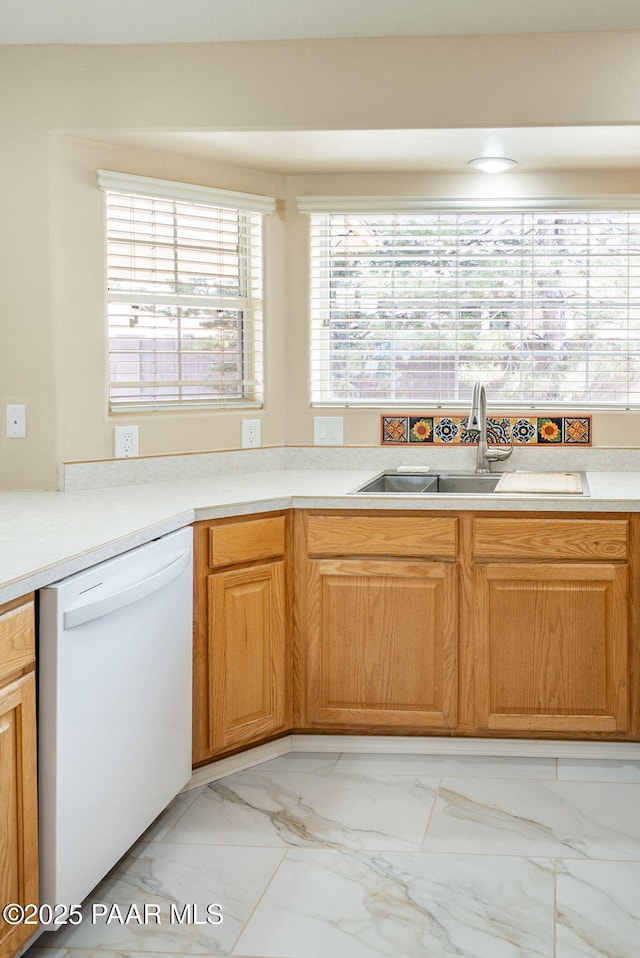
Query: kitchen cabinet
(242, 658)
(18, 796)
(380, 614)
(551, 625)
(467, 624)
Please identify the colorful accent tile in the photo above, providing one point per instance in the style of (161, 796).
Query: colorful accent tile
(577, 430)
(395, 429)
(446, 429)
(498, 431)
(524, 431)
(452, 430)
(421, 429)
(549, 430)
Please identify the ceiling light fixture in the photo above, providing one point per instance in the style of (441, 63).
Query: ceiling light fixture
(492, 164)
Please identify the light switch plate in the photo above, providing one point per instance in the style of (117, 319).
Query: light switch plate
(328, 430)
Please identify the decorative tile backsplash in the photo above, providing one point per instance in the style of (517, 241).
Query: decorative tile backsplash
(501, 430)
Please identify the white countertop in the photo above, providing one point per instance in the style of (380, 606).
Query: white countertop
(45, 536)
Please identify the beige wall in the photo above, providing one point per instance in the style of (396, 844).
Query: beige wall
(85, 429)
(51, 281)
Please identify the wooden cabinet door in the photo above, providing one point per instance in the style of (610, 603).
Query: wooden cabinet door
(551, 647)
(382, 643)
(247, 653)
(18, 807)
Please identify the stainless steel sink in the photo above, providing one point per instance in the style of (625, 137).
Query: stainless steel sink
(475, 485)
(449, 483)
(398, 482)
(437, 483)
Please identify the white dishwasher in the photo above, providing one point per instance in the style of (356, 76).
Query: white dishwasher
(114, 709)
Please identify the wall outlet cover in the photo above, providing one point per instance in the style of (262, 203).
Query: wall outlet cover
(251, 433)
(16, 422)
(125, 442)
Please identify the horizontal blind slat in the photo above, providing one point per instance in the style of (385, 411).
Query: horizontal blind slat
(543, 305)
(184, 284)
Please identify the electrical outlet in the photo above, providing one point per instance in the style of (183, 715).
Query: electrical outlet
(125, 442)
(16, 422)
(250, 433)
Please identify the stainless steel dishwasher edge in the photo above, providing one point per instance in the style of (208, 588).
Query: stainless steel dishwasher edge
(114, 709)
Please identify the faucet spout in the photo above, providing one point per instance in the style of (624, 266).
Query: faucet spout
(477, 425)
(477, 413)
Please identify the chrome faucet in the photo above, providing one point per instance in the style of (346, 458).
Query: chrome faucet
(477, 425)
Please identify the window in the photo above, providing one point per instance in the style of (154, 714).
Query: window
(184, 291)
(542, 304)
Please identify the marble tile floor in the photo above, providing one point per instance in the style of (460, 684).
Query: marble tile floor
(364, 856)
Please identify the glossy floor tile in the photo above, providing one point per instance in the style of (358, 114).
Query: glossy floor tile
(367, 856)
(466, 766)
(304, 808)
(598, 909)
(575, 770)
(515, 817)
(355, 905)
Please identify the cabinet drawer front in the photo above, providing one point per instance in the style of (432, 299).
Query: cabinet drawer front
(550, 538)
(245, 541)
(381, 536)
(17, 643)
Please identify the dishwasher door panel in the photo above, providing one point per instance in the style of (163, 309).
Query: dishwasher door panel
(114, 709)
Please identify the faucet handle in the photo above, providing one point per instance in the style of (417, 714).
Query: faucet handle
(498, 455)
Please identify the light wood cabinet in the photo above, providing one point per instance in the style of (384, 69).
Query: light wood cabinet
(18, 795)
(551, 625)
(242, 667)
(551, 647)
(420, 623)
(469, 623)
(382, 643)
(380, 634)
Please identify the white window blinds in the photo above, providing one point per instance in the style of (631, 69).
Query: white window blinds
(543, 305)
(184, 291)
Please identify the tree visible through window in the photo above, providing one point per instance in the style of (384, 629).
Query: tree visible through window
(544, 306)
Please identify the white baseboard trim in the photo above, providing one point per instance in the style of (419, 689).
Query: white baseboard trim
(238, 763)
(446, 745)
(410, 745)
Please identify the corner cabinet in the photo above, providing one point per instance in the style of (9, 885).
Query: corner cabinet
(378, 598)
(469, 623)
(18, 796)
(551, 625)
(242, 656)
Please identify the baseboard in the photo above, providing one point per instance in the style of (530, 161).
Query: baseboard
(410, 745)
(238, 762)
(448, 745)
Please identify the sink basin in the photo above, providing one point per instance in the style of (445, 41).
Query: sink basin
(471, 485)
(408, 483)
(449, 483)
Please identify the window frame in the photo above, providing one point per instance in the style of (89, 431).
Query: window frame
(394, 205)
(249, 303)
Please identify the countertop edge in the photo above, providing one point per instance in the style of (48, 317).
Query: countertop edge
(26, 514)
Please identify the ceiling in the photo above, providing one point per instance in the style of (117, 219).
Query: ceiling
(184, 21)
(396, 151)
(345, 151)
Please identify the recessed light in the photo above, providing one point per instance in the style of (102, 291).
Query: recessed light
(492, 164)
